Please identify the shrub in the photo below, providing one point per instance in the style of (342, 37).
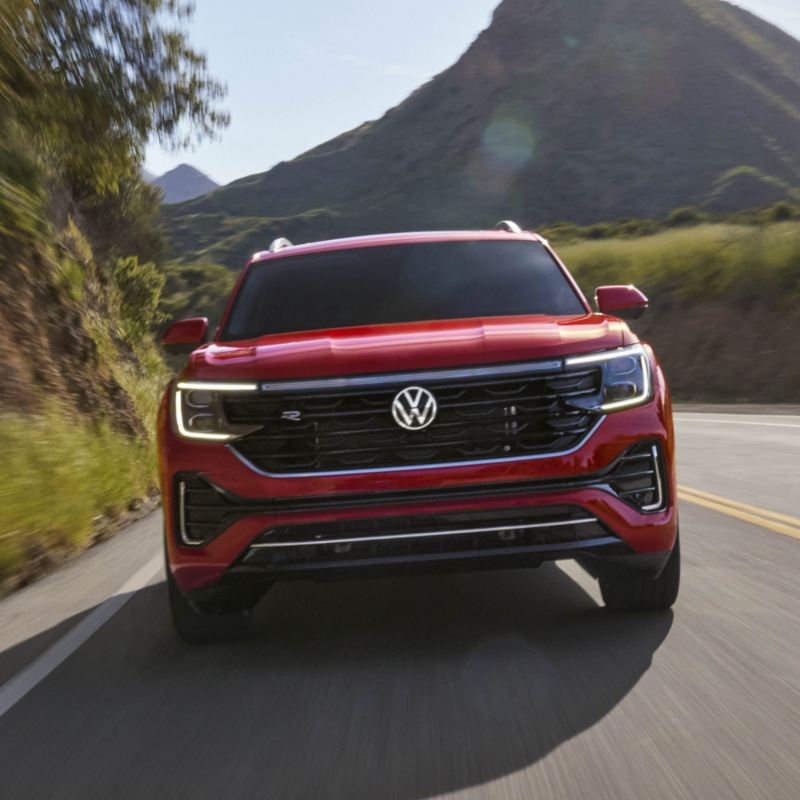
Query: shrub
(598, 231)
(139, 287)
(781, 212)
(684, 216)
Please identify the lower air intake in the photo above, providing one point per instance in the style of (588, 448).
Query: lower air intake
(638, 477)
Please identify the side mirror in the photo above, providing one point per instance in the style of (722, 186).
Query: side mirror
(621, 301)
(185, 335)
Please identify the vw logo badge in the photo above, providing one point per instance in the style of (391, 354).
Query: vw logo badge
(414, 408)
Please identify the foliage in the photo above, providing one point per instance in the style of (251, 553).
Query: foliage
(196, 289)
(126, 222)
(781, 212)
(231, 240)
(684, 216)
(567, 232)
(80, 470)
(739, 263)
(102, 78)
(84, 85)
(139, 287)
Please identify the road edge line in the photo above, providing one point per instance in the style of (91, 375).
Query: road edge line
(31, 676)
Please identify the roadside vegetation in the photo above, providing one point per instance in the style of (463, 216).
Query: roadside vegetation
(61, 474)
(724, 302)
(84, 85)
(740, 263)
(196, 289)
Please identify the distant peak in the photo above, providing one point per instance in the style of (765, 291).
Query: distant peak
(184, 182)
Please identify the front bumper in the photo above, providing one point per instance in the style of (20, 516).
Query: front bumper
(484, 515)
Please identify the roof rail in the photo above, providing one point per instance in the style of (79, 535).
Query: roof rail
(509, 226)
(279, 244)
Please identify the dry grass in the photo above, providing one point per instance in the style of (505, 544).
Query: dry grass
(733, 262)
(57, 475)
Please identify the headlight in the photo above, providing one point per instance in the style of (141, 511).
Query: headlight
(626, 380)
(200, 413)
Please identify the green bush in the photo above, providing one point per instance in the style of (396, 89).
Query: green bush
(782, 212)
(684, 216)
(598, 231)
(139, 288)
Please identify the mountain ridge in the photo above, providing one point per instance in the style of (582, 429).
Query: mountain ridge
(581, 111)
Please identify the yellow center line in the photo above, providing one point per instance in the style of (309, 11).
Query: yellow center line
(771, 520)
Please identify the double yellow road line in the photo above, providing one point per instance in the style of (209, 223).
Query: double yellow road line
(771, 520)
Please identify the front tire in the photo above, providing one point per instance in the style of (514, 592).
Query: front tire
(196, 627)
(636, 592)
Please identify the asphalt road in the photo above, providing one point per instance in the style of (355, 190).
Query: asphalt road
(497, 685)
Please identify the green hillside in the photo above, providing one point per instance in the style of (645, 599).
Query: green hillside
(580, 110)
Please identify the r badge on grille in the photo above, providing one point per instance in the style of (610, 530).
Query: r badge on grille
(414, 408)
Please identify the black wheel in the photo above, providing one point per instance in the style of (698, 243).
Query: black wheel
(196, 627)
(635, 592)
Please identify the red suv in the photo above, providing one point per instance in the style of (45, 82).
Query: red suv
(413, 402)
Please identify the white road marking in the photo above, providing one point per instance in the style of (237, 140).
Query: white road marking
(15, 689)
(711, 420)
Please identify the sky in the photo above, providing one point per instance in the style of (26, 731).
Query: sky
(302, 72)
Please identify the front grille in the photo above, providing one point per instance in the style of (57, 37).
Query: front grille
(489, 417)
(453, 535)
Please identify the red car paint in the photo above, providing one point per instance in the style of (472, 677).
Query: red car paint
(402, 348)
(619, 298)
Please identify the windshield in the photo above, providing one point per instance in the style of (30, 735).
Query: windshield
(400, 283)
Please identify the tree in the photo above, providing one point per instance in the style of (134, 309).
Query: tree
(126, 223)
(107, 77)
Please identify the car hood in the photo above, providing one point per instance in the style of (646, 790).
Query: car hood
(406, 347)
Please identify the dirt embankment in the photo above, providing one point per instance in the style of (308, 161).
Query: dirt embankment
(48, 350)
(718, 352)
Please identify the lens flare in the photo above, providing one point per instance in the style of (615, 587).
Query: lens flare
(508, 143)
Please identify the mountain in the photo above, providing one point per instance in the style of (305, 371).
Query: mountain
(579, 110)
(184, 183)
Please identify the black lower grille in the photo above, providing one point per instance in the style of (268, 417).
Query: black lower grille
(489, 417)
(204, 510)
(637, 477)
(499, 531)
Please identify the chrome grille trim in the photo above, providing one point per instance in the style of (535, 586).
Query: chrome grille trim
(659, 501)
(182, 530)
(425, 534)
(643, 487)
